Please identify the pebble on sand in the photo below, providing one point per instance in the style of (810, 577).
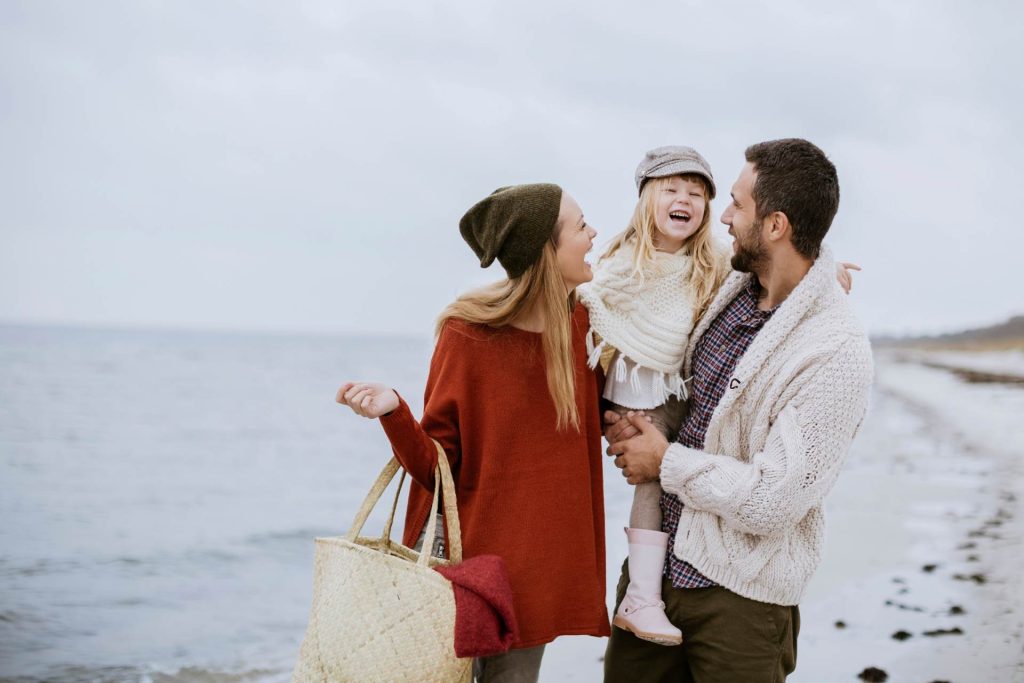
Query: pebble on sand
(955, 631)
(976, 578)
(900, 605)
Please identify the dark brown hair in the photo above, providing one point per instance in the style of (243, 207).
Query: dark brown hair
(795, 177)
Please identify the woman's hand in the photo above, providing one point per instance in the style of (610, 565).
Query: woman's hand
(367, 399)
(843, 275)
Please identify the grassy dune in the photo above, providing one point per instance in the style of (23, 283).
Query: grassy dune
(1006, 336)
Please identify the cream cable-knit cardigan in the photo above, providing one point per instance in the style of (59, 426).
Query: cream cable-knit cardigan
(752, 519)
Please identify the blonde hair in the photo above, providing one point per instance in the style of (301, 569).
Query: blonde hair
(500, 303)
(708, 270)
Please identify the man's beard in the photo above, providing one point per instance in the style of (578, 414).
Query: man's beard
(749, 258)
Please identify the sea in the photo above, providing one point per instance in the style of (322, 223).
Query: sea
(160, 492)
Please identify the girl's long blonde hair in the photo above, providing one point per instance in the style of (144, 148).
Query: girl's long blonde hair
(500, 303)
(708, 270)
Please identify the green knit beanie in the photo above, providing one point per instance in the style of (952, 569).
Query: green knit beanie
(512, 224)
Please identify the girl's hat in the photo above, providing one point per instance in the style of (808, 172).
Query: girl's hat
(512, 224)
(666, 161)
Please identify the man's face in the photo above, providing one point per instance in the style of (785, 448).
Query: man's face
(748, 252)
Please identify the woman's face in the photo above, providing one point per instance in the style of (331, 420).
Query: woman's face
(574, 238)
(679, 205)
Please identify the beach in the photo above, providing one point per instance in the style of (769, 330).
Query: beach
(159, 493)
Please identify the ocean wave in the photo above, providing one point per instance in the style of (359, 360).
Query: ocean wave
(37, 567)
(129, 674)
(288, 536)
(191, 674)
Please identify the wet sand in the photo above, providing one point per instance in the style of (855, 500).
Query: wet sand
(924, 541)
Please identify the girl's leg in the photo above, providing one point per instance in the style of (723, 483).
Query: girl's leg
(642, 611)
(646, 510)
(668, 418)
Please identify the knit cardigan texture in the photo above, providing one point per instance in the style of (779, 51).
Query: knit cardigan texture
(752, 519)
(526, 492)
(646, 317)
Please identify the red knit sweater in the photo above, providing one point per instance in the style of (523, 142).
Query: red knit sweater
(526, 492)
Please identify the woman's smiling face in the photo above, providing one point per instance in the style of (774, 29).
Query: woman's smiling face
(575, 238)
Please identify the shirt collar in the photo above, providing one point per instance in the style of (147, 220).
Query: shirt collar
(753, 292)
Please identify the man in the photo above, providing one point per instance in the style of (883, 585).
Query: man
(779, 373)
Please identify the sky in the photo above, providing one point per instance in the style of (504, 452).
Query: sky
(302, 166)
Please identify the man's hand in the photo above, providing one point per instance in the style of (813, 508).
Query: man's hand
(640, 457)
(617, 428)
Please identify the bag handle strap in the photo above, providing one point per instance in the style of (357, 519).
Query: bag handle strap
(443, 476)
(376, 491)
(385, 536)
(444, 489)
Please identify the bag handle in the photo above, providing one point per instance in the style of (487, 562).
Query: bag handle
(451, 510)
(385, 536)
(444, 488)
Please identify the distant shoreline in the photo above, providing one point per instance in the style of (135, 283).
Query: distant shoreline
(1006, 336)
(975, 367)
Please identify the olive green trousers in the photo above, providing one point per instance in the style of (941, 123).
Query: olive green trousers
(726, 639)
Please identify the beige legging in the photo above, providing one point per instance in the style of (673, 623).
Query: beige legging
(646, 510)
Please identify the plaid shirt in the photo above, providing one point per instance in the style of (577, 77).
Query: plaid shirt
(714, 358)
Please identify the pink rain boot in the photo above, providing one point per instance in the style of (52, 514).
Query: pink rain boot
(642, 612)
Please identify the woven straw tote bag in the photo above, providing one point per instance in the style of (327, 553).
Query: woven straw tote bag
(380, 613)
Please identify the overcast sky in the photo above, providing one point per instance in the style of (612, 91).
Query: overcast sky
(302, 166)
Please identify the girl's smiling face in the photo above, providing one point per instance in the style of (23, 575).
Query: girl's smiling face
(679, 206)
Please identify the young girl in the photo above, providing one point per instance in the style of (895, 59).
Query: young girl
(512, 402)
(651, 285)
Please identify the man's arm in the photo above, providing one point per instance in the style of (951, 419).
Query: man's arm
(801, 458)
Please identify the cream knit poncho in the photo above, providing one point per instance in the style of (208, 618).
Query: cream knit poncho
(647, 319)
(752, 519)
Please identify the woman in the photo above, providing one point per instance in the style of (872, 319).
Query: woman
(527, 462)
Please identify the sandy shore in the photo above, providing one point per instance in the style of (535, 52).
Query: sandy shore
(999, 367)
(920, 578)
(924, 538)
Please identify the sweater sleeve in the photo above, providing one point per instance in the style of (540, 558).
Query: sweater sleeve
(801, 458)
(411, 440)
